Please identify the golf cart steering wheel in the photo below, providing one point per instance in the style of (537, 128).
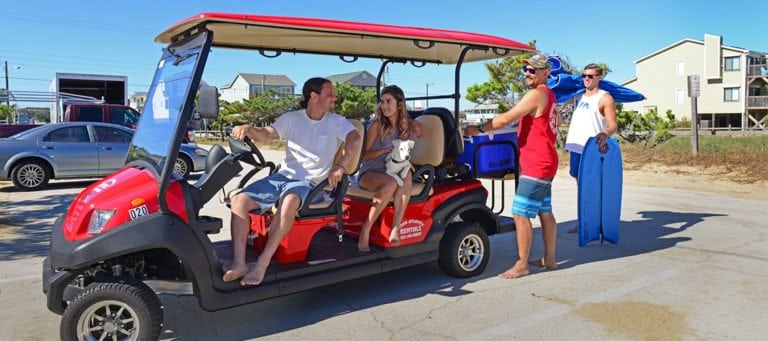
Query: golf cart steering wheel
(247, 149)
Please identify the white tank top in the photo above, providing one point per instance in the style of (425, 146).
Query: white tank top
(586, 121)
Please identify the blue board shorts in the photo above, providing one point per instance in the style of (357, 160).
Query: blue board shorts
(575, 161)
(533, 196)
(267, 191)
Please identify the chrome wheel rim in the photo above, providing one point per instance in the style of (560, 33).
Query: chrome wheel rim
(108, 320)
(471, 252)
(31, 175)
(180, 167)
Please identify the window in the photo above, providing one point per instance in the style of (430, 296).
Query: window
(731, 94)
(90, 114)
(679, 96)
(256, 89)
(112, 135)
(68, 134)
(124, 117)
(732, 63)
(680, 67)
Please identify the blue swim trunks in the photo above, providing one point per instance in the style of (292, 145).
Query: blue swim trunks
(533, 196)
(267, 191)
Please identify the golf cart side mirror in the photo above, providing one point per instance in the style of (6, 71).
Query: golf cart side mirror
(208, 102)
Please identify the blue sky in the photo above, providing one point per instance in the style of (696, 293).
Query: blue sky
(110, 37)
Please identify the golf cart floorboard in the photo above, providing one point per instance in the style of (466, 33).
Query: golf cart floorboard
(325, 252)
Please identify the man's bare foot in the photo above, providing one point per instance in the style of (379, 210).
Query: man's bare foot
(394, 236)
(254, 276)
(520, 269)
(572, 229)
(543, 264)
(237, 271)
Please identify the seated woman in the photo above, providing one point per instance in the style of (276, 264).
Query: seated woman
(391, 123)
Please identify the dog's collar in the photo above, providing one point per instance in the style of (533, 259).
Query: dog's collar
(393, 160)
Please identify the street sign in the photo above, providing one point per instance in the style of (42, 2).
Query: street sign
(693, 86)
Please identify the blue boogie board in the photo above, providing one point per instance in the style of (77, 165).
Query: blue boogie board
(600, 182)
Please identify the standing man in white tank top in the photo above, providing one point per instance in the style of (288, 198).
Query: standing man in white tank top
(594, 115)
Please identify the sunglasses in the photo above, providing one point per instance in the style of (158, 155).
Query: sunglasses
(528, 69)
(589, 76)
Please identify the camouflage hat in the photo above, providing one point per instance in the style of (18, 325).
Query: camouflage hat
(538, 61)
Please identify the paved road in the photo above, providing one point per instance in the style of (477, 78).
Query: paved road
(689, 265)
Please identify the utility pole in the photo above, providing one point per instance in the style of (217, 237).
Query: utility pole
(427, 106)
(7, 92)
(693, 93)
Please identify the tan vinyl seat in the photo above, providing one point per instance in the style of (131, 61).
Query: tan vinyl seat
(427, 152)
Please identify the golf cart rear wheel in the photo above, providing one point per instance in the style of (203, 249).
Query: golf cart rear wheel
(464, 250)
(121, 310)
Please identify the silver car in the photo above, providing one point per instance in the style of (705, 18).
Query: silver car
(76, 150)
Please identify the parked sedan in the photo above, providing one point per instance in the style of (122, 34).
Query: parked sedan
(76, 150)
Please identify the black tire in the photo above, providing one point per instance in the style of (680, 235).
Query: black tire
(464, 250)
(30, 175)
(128, 309)
(183, 166)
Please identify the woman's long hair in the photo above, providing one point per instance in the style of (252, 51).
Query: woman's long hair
(385, 127)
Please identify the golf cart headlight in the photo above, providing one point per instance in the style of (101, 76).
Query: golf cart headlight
(201, 152)
(99, 218)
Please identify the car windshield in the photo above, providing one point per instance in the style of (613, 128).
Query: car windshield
(155, 132)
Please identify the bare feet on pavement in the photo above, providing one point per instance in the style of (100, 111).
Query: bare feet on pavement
(237, 271)
(543, 264)
(520, 269)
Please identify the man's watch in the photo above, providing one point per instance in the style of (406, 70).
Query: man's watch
(480, 127)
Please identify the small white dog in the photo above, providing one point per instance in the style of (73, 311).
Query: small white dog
(398, 161)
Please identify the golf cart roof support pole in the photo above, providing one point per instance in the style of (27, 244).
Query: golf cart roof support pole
(457, 80)
(381, 74)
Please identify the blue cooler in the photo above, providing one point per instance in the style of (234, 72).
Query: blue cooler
(492, 154)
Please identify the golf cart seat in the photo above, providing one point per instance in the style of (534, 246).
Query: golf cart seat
(454, 145)
(427, 154)
(324, 209)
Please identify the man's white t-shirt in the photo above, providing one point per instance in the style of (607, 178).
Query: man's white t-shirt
(311, 145)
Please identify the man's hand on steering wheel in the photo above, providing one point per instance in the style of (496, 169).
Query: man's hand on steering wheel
(241, 132)
(335, 174)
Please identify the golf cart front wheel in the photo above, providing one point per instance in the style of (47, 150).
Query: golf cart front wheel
(123, 310)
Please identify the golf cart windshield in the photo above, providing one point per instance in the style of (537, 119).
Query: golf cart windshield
(157, 134)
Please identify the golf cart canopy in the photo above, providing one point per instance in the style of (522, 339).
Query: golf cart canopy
(273, 35)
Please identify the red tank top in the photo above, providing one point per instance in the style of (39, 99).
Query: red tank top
(537, 135)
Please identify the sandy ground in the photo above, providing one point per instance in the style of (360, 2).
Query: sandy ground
(696, 179)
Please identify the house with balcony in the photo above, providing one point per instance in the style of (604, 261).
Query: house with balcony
(360, 79)
(733, 83)
(246, 85)
(137, 100)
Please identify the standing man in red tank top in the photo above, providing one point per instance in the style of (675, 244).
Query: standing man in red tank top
(537, 133)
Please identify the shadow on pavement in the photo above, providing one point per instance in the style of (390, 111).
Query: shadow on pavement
(648, 234)
(54, 184)
(309, 307)
(25, 232)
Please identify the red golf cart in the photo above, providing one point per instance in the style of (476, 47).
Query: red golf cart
(139, 231)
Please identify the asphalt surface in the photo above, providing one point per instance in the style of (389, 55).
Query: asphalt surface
(688, 265)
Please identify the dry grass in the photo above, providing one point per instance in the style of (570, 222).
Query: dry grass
(743, 159)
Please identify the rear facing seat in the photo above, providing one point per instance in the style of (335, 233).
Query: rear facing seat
(427, 154)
